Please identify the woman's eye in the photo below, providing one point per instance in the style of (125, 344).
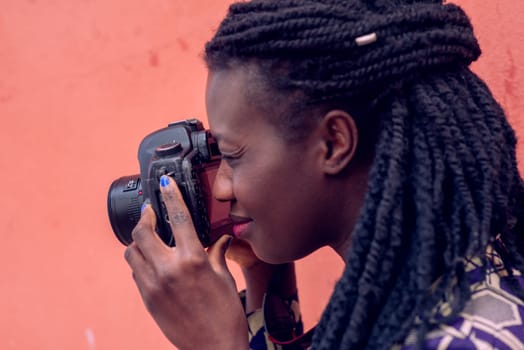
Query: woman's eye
(229, 158)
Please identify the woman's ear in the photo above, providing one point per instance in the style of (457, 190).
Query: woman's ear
(340, 137)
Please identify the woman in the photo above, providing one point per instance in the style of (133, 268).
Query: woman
(357, 125)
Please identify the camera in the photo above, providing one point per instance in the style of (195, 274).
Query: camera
(189, 154)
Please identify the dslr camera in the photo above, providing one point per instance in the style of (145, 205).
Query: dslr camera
(188, 153)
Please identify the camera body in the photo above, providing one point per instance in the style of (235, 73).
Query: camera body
(189, 154)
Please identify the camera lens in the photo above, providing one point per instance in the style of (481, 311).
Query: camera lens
(124, 201)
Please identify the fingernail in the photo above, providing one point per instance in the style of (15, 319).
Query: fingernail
(164, 180)
(144, 205)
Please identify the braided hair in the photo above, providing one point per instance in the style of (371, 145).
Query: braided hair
(444, 182)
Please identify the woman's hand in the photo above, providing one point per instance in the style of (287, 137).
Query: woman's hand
(190, 293)
(240, 252)
(258, 274)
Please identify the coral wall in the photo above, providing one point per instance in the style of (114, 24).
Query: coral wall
(81, 82)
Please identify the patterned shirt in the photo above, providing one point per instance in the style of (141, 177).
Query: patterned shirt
(491, 319)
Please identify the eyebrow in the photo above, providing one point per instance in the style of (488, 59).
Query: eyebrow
(224, 141)
(220, 137)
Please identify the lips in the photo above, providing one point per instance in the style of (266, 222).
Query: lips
(240, 230)
(240, 225)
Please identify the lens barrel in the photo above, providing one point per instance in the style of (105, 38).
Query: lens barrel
(124, 201)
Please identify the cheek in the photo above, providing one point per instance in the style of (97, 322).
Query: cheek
(252, 191)
(272, 188)
(255, 181)
(277, 201)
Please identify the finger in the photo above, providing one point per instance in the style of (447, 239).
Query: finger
(240, 252)
(141, 270)
(238, 248)
(145, 236)
(179, 216)
(133, 256)
(137, 262)
(217, 254)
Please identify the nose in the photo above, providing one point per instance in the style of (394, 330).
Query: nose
(223, 186)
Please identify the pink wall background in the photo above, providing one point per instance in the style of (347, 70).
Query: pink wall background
(81, 82)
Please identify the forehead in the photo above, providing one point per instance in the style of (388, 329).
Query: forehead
(227, 84)
(229, 101)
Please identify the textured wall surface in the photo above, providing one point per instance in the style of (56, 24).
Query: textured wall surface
(81, 82)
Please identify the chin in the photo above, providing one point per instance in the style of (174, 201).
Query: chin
(276, 258)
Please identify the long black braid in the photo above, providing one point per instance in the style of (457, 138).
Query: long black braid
(444, 183)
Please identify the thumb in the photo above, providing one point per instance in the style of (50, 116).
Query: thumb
(217, 254)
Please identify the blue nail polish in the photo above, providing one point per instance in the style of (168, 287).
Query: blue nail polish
(164, 181)
(144, 205)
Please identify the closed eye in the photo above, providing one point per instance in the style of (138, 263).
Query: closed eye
(230, 158)
(233, 155)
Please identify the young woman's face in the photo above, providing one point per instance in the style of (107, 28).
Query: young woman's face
(276, 193)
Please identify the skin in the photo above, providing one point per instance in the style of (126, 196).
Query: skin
(184, 287)
(290, 198)
(297, 197)
(257, 274)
